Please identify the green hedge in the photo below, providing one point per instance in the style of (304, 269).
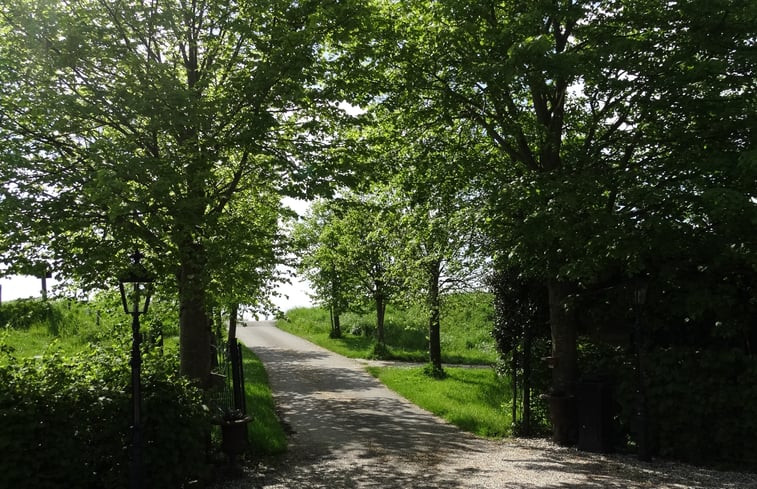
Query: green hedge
(703, 406)
(25, 313)
(64, 422)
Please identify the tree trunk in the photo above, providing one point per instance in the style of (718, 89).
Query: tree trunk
(336, 331)
(564, 365)
(233, 352)
(194, 337)
(526, 416)
(233, 312)
(434, 335)
(380, 312)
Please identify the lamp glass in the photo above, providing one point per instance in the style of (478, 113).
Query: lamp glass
(135, 285)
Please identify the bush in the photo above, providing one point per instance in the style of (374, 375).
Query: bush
(64, 422)
(691, 392)
(25, 313)
(702, 404)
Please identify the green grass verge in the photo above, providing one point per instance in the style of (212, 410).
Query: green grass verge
(465, 331)
(266, 435)
(472, 399)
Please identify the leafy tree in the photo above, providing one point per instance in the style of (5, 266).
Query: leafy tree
(438, 211)
(159, 124)
(357, 259)
(317, 240)
(578, 99)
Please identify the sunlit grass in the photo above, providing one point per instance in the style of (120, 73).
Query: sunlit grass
(266, 435)
(465, 331)
(37, 339)
(470, 398)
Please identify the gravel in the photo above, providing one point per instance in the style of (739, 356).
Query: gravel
(349, 431)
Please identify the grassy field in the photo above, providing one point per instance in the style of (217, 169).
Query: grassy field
(470, 398)
(31, 326)
(465, 331)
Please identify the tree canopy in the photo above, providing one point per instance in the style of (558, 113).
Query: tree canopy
(173, 126)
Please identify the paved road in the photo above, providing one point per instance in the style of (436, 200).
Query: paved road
(349, 431)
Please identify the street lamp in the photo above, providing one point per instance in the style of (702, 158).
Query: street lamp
(135, 284)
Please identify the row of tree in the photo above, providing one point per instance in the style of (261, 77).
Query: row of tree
(593, 143)
(607, 148)
(172, 126)
(388, 245)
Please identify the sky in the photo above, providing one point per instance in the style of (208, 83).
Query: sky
(22, 287)
(292, 295)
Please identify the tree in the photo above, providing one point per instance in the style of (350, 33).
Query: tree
(437, 208)
(317, 241)
(508, 68)
(443, 257)
(356, 260)
(576, 97)
(144, 123)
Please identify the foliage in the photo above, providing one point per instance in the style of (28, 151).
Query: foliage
(174, 127)
(604, 158)
(322, 263)
(25, 313)
(521, 334)
(717, 390)
(434, 372)
(688, 389)
(351, 254)
(470, 398)
(55, 407)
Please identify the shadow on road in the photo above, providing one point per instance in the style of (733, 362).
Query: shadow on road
(349, 431)
(337, 407)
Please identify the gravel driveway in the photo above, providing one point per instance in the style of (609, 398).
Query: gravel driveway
(349, 431)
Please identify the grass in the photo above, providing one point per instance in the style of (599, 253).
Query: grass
(31, 326)
(472, 399)
(266, 435)
(465, 331)
(71, 328)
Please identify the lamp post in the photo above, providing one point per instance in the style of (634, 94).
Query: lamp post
(135, 285)
(642, 421)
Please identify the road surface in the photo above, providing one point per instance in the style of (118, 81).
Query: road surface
(349, 431)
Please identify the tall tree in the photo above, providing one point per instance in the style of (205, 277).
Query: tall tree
(317, 240)
(508, 68)
(576, 96)
(141, 123)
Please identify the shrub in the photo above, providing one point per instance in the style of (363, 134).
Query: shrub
(702, 404)
(716, 391)
(64, 422)
(25, 313)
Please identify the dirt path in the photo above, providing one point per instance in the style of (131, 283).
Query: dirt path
(349, 431)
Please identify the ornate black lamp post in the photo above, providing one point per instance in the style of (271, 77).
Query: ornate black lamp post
(135, 285)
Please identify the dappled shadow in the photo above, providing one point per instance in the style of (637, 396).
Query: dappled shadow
(349, 431)
(378, 473)
(337, 407)
(571, 468)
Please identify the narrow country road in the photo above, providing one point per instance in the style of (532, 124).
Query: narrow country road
(349, 431)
